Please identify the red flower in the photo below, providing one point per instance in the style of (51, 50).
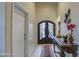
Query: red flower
(70, 26)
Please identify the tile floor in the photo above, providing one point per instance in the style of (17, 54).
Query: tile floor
(37, 52)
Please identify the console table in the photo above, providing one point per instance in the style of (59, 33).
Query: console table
(69, 48)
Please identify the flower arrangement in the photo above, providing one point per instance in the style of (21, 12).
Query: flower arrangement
(70, 27)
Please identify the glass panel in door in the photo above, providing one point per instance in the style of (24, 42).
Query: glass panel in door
(42, 30)
(50, 28)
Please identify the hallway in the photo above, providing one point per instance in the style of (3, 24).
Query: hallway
(39, 29)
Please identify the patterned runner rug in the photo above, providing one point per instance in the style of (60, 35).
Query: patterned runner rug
(47, 51)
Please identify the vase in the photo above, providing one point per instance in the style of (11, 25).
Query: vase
(65, 41)
(71, 41)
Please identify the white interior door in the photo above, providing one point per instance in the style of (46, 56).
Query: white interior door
(18, 27)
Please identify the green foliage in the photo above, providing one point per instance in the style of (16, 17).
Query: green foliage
(65, 36)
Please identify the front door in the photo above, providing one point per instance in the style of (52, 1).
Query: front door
(46, 31)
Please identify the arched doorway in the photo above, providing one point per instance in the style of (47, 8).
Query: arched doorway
(46, 31)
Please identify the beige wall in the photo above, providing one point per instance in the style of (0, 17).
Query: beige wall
(46, 11)
(74, 6)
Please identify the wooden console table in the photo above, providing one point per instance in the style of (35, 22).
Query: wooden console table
(69, 48)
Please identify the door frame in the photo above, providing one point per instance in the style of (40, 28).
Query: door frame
(18, 6)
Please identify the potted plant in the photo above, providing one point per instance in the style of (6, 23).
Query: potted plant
(70, 26)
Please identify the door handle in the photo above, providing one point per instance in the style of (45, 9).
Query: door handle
(24, 36)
